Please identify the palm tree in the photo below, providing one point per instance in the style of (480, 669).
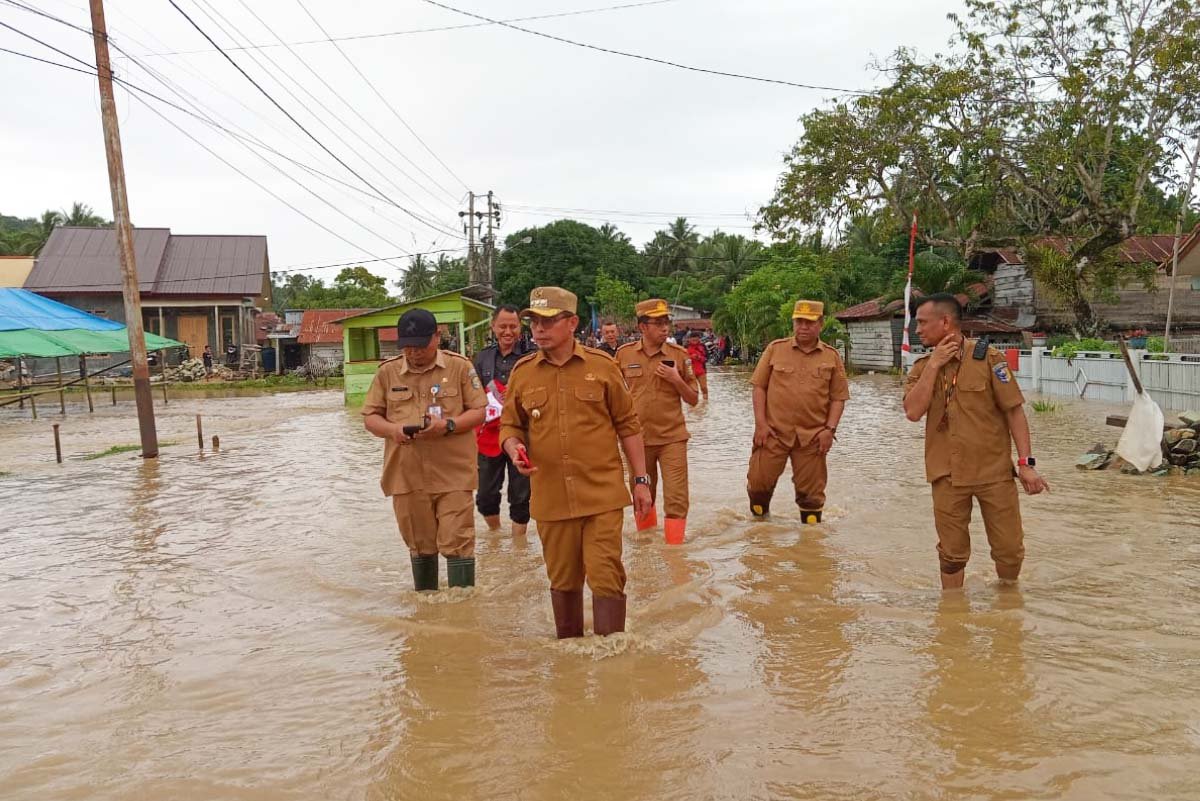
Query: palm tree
(671, 251)
(865, 233)
(611, 233)
(417, 280)
(33, 240)
(81, 215)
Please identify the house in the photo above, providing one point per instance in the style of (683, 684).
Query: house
(321, 338)
(462, 318)
(876, 328)
(14, 270)
(200, 290)
(1018, 299)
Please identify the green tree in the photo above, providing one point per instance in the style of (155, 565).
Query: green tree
(353, 288)
(613, 297)
(417, 281)
(564, 253)
(759, 307)
(450, 274)
(1050, 117)
(81, 215)
(670, 252)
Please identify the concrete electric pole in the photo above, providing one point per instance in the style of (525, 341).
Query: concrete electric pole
(124, 229)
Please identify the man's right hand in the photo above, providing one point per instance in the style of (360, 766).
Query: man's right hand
(399, 436)
(762, 433)
(519, 456)
(946, 350)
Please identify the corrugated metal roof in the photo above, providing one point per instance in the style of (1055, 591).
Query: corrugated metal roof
(85, 261)
(876, 308)
(322, 326)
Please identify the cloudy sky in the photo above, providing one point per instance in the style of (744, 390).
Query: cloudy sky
(546, 125)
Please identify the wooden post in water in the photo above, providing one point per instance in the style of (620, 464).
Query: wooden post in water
(114, 394)
(57, 445)
(33, 405)
(130, 289)
(20, 387)
(199, 432)
(87, 388)
(216, 443)
(62, 396)
(162, 369)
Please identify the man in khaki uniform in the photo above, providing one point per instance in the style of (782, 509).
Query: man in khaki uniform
(426, 405)
(972, 408)
(565, 409)
(800, 392)
(659, 375)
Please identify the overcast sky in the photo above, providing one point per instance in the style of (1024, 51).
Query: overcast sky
(545, 125)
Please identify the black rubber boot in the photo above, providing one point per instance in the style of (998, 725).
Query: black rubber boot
(810, 516)
(568, 613)
(460, 571)
(425, 572)
(608, 615)
(760, 504)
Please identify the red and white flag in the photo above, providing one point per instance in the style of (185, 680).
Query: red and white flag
(905, 346)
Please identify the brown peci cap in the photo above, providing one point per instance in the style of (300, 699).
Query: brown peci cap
(548, 301)
(654, 307)
(808, 310)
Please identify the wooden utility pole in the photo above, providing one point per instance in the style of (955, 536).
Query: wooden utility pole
(493, 215)
(472, 261)
(1185, 201)
(124, 229)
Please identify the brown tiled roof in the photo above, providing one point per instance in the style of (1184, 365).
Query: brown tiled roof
(85, 261)
(876, 308)
(321, 326)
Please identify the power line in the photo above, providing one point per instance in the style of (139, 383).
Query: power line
(224, 21)
(651, 59)
(299, 124)
(391, 108)
(215, 155)
(361, 36)
(628, 213)
(245, 140)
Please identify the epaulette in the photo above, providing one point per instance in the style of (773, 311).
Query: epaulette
(777, 341)
(626, 345)
(456, 355)
(527, 357)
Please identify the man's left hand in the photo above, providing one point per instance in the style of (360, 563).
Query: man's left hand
(436, 428)
(1034, 484)
(824, 441)
(642, 502)
(669, 374)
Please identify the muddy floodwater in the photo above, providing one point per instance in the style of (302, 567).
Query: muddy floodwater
(241, 625)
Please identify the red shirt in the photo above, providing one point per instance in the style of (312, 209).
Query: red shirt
(699, 358)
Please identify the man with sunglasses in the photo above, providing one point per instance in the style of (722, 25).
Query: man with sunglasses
(565, 410)
(973, 412)
(659, 376)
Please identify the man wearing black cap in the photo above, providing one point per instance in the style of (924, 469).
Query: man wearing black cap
(425, 404)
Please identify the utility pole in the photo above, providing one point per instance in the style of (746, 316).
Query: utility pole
(124, 231)
(493, 214)
(472, 261)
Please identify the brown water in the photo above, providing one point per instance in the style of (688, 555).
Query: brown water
(240, 626)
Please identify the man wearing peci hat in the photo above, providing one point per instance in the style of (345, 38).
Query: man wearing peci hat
(565, 410)
(659, 376)
(426, 404)
(800, 391)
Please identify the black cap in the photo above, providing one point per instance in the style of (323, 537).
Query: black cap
(415, 328)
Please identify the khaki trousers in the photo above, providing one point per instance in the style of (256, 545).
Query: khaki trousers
(1001, 510)
(433, 523)
(702, 380)
(809, 473)
(670, 461)
(585, 548)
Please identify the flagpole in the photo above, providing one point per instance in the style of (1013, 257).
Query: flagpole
(905, 346)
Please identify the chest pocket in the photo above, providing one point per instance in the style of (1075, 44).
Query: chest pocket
(973, 380)
(589, 393)
(402, 403)
(633, 374)
(450, 399)
(785, 371)
(823, 372)
(534, 401)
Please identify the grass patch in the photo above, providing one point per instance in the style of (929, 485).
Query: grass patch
(1044, 406)
(4, 474)
(115, 449)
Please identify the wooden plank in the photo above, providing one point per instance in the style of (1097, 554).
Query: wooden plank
(1119, 421)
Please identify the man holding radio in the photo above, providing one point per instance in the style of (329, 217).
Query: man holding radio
(659, 376)
(426, 404)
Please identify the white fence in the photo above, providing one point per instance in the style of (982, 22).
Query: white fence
(1173, 380)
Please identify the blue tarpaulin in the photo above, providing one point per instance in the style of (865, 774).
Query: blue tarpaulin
(21, 309)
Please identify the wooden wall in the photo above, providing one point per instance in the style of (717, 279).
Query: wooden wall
(872, 346)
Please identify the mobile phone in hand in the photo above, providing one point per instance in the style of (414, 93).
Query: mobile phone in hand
(523, 458)
(669, 362)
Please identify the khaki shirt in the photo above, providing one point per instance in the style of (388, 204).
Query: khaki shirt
(403, 395)
(800, 384)
(570, 418)
(658, 404)
(975, 447)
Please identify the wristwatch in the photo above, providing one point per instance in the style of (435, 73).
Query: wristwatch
(643, 480)
(1028, 461)
(450, 426)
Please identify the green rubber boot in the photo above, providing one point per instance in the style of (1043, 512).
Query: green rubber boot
(460, 571)
(425, 572)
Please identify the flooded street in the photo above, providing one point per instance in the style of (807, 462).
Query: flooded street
(241, 625)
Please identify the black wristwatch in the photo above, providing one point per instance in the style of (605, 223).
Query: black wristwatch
(450, 426)
(643, 480)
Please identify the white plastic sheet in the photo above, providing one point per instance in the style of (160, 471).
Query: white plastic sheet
(1141, 441)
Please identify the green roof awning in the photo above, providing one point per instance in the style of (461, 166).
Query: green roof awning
(73, 342)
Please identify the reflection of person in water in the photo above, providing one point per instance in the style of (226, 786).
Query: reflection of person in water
(978, 702)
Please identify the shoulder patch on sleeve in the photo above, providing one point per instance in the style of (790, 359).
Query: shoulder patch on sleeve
(1003, 375)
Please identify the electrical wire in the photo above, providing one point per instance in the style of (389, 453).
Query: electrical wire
(299, 124)
(362, 36)
(639, 57)
(384, 100)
